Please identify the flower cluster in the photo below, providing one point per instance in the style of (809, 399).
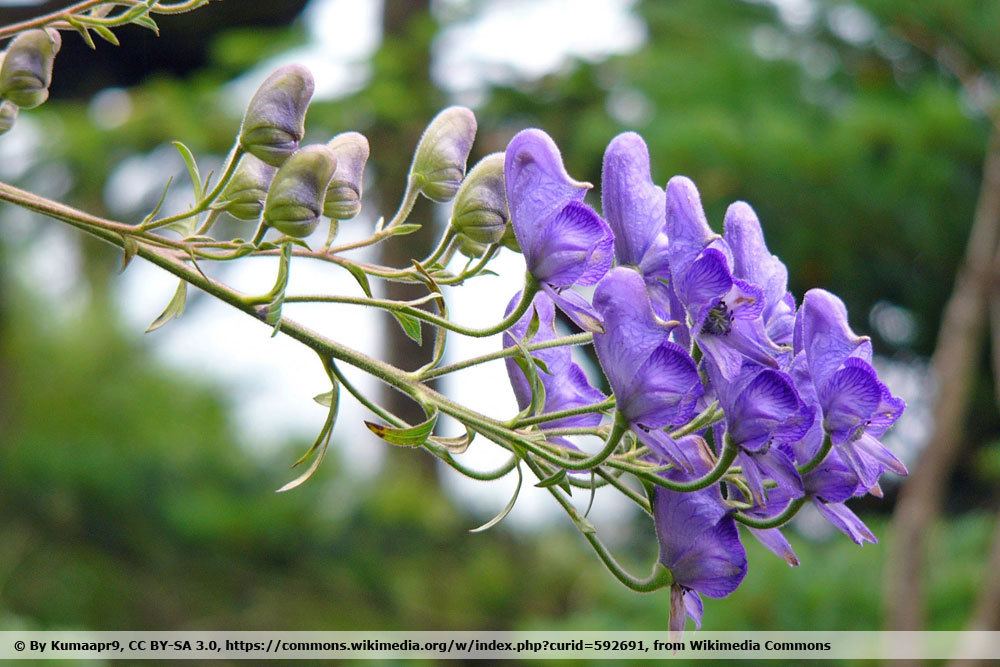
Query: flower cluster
(746, 402)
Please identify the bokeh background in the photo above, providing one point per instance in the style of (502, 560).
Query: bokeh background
(137, 473)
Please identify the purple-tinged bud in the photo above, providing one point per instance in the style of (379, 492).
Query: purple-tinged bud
(246, 191)
(27, 68)
(439, 161)
(8, 114)
(275, 118)
(343, 198)
(480, 212)
(295, 200)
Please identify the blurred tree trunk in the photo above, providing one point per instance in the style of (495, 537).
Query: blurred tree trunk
(403, 65)
(954, 361)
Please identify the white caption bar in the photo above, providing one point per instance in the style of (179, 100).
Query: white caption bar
(75, 645)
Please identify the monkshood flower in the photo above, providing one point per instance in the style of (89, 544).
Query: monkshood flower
(754, 263)
(295, 199)
(699, 542)
(343, 197)
(724, 312)
(857, 407)
(566, 385)
(764, 415)
(634, 207)
(244, 195)
(655, 381)
(565, 243)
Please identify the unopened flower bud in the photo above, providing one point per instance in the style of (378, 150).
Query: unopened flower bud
(480, 212)
(244, 195)
(343, 198)
(295, 199)
(27, 68)
(275, 119)
(439, 161)
(8, 114)
(470, 248)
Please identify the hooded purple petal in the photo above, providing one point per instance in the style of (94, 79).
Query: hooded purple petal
(633, 205)
(576, 308)
(571, 248)
(753, 262)
(823, 333)
(631, 328)
(687, 226)
(664, 391)
(537, 184)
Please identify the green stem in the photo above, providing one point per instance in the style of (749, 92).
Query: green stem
(202, 205)
(441, 247)
(775, 521)
(657, 579)
(812, 463)
(575, 339)
(530, 287)
(726, 458)
(614, 438)
(560, 414)
(42, 21)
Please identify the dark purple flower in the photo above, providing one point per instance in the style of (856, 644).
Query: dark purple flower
(566, 385)
(724, 312)
(655, 381)
(699, 542)
(857, 407)
(564, 241)
(754, 263)
(764, 415)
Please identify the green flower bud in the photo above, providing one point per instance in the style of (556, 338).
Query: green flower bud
(8, 114)
(469, 248)
(244, 195)
(480, 212)
(439, 161)
(343, 198)
(27, 69)
(295, 199)
(275, 119)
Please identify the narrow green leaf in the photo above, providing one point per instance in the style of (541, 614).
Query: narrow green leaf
(506, 510)
(361, 277)
(85, 33)
(533, 326)
(106, 34)
(159, 202)
(403, 230)
(146, 21)
(325, 399)
(192, 168)
(457, 445)
(411, 326)
(174, 309)
(322, 444)
(542, 366)
(552, 480)
(281, 240)
(412, 436)
(129, 251)
(278, 291)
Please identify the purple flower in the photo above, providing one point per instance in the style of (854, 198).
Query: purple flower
(566, 385)
(857, 407)
(655, 381)
(754, 263)
(635, 209)
(699, 542)
(564, 241)
(764, 415)
(724, 311)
